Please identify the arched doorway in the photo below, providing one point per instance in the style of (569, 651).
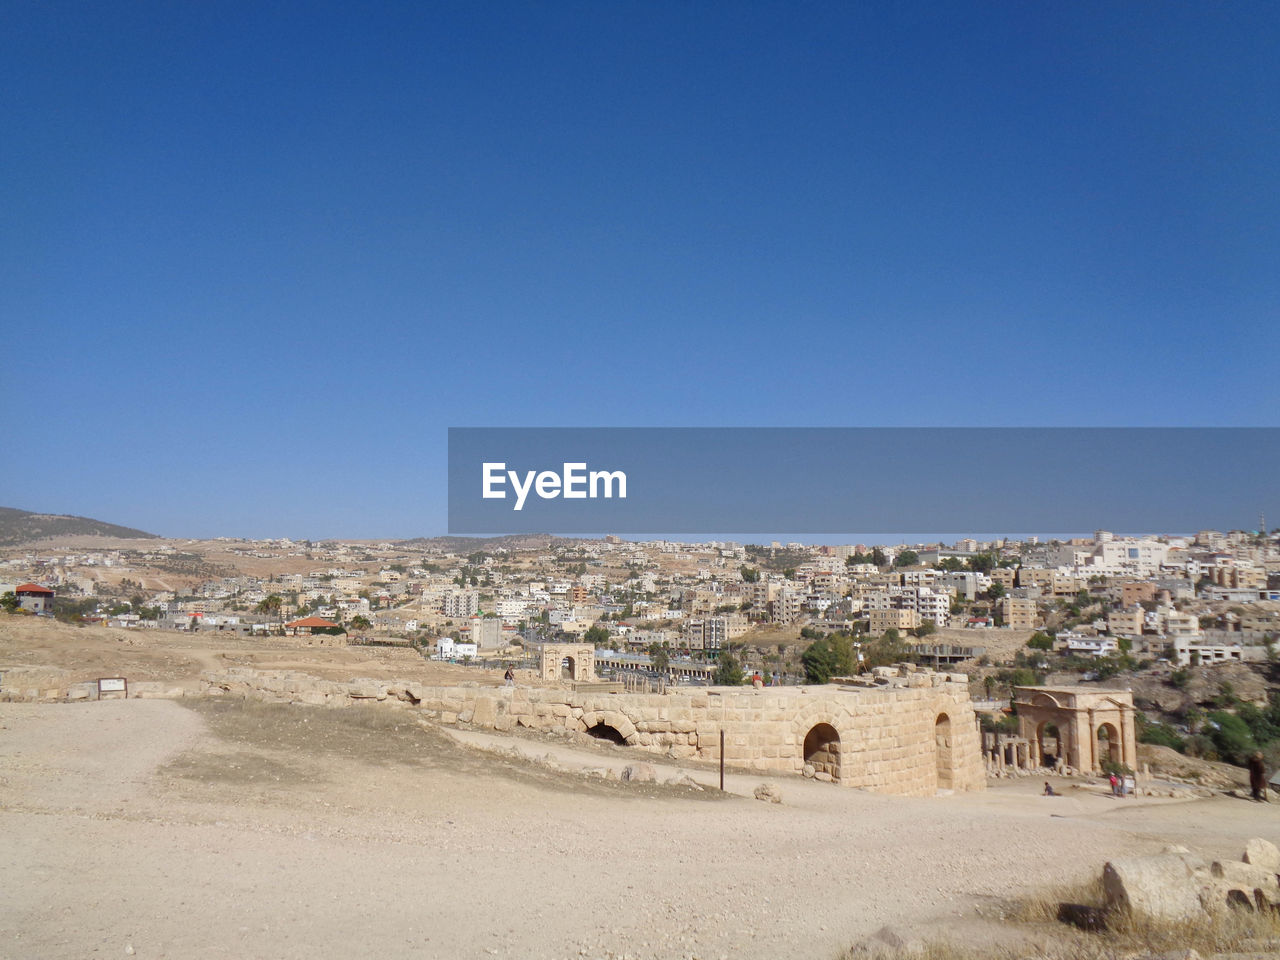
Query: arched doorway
(822, 750)
(1109, 747)
(602, 731)
(567, 668)
(1050, 741)
(944, 752)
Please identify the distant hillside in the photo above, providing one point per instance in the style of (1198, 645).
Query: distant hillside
(464, 545)
(22, 526)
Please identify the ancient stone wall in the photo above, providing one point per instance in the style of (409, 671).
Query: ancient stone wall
(903, 732)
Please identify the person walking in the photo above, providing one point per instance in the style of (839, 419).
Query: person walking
(1258, 777)
(510, 677)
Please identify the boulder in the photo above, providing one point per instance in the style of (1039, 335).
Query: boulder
(1262, 853)
(809, 770)
(1243, 883)
(768, 793)
(1165, 888)
(639, 773)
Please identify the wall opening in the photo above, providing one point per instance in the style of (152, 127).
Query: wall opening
(567, 670)
(602, 731)
(1109, 747)
(822, 750)
(944, 752)
(1050, 743)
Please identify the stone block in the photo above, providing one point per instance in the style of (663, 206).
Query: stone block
(1164, 888)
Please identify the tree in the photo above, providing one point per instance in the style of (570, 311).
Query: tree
(878, 557)
(1040, 641)
(659, 657)
(271, 606)
(927, 627)
(9, 602)
(728, 671)
(819, 662)
(1231, 736)
(360, 622)
(749, 574)
(906, 558)
(996, 591)
(982, 562)
(596, 636)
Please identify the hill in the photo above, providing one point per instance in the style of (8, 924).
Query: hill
(22, 526)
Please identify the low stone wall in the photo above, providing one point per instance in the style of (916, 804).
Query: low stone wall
(901, 731)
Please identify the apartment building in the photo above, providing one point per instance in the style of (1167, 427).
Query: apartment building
(894, 618)
(460, 604)
(1127, 622)
(1019, 612)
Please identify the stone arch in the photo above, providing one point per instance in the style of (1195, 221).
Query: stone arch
(944, 751)
(822, 749)
(568, 668)
(1048, 733)
(1108, 743)
(607, 732)
(1044, 700)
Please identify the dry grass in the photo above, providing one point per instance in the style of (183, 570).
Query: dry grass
(1239, 932)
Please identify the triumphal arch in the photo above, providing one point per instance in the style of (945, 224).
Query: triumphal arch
(1076, 727)
(568, 661)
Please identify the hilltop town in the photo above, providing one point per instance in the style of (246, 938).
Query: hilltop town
(517, 708)
(1188, 623)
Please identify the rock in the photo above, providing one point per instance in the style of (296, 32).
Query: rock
(1262, 853)
(684, 780)
(823, 776)
(639, 773)
(888, 942)
(809, 770)
(1243, 883)
(1164, 888)
(769, 793)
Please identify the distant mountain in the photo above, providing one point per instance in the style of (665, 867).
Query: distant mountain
(22, 526)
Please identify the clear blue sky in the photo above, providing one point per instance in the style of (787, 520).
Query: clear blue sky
(255, 258)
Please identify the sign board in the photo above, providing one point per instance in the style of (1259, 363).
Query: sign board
(113, 685)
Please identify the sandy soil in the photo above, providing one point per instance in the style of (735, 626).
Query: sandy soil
(193, 829)
(216, 829)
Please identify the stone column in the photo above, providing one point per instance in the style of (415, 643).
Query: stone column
(1093, 742)
(1128, 738)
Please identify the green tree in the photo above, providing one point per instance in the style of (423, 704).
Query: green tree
(906, 558)
(878, 557)
(1040, 641)
(659, 657)
(728, 671)
(749, 574)
(360, 622)
(596, 636)
(832, 656)
(9, 602)
(1231, 736)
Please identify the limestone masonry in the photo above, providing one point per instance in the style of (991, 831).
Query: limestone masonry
(899, 730)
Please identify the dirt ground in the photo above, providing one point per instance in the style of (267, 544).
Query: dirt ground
(210, 829)
(231, 829)
(35, 650)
